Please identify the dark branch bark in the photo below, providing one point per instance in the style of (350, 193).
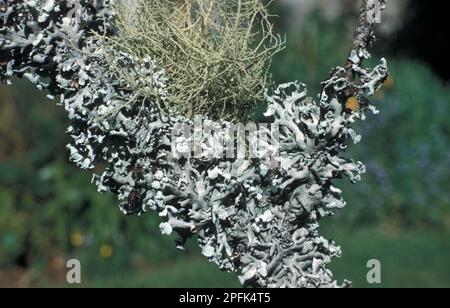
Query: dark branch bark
(363, 38)
(363, 32)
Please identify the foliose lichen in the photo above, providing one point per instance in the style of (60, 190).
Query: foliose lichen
(257, 217)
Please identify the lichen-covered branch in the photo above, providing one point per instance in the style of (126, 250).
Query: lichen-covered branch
(363, 36)
(259, 216)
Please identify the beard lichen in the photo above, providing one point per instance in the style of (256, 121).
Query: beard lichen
(215, 53)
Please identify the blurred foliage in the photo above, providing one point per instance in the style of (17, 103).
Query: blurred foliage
(50, 212)
(406, 150)
(312, 52)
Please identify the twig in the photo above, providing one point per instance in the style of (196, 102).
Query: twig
(363, 38)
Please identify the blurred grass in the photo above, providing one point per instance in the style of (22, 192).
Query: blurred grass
(183, 273)
(410, 259)
(417, 259)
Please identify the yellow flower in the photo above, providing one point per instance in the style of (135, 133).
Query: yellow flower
(77, 239)
(106, 251)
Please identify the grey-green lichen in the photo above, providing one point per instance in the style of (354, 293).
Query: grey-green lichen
(255, 217)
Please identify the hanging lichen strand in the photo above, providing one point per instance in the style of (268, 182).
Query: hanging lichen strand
(257, 217)
(216, 53)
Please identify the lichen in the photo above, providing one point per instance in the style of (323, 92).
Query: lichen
(216, 53)
(258, 217)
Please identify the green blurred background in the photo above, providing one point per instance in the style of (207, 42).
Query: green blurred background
(399, 214)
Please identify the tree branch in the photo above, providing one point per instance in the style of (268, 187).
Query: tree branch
(363, 37)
